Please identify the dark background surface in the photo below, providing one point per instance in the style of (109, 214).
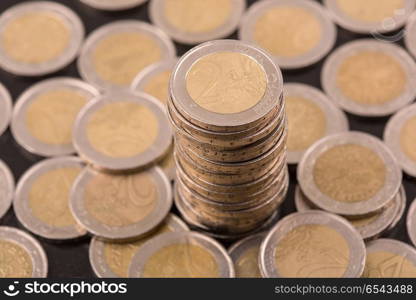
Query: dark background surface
(71, 259)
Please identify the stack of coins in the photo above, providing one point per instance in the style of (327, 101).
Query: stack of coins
(227, 110)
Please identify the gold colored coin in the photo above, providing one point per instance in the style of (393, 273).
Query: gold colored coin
(383, 264)
(15, 261)
(158, 86)
(371, 10)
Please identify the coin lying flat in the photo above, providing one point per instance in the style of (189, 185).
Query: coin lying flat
(371, 16)
(42, 198)
(111, 260)
(44, 115)
(181, 254)
(6, 108)
(121, 207)
(351, 174)
(193, 22)
(115, 53)
(369, 78)
(400, 137)
(6, 188)
(245, 255)
(22, 256)
(390, 259)
(122, 131)
(328, 244)
(112, 5)
(311, 116)
(39, 38)
(411, 222)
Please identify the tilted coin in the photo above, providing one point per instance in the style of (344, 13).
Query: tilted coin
(42, 198)
(245, 255)
(122, 131)
(294, 21)
(6, 188)
(400, 213)
(181, 254)
(22, 256)
(6, 108)
(351, 174)
(112, 5)
(411, 222)
(328, 244)
(193, 22)
(44, 115)
(39, 37)
(111, 260)
(121, 207)
(388, 258)
(138, 44)
(400, 137)
(370, 78)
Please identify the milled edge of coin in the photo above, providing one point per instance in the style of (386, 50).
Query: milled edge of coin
(409, 34)
(22, 209)
(336, 119)
(69, 17)
(411, 222)
(224, 262)
(121, 233)
(287, 224)
(111, 5)
(31, 245)
(6, 108)
(156, 14)
(329, 32)
(335, 60)
(106, 163)
(85, 67)
(7, 178)
(96, 249)
(375, 28)
(387, 192)
(188, 107)
(18, 126)
(392, 134)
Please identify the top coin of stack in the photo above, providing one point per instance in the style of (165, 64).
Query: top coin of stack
(227, 110)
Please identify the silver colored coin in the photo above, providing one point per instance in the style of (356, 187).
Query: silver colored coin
(336, 120)
(409, 37)
(393, 138)
(31, 246)
(222, 260)
(112, 5)
(6, 108)
(377, 202)
(19, 126)
(411, 222)
(335, 61)
(116, 226)
(45, 226)
(6, 188)
(374, 27)
(327, 42)
(64, 14)
(157, 13)
(355, 264)
(99, 258)
(104, 160)
(400, 211)
(86, 61)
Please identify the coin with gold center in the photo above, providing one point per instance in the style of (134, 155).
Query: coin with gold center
(411, 222)
(6, 107)
(6, 188)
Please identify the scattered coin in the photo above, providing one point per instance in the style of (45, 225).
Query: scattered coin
(411, 222)
(181, 254)
(39, 37)
(112, 5)
(6, 108)
(6, 188)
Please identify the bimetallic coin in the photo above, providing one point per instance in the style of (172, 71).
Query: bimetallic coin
(6, 108)
(112, 260)
(42, 198)
(370, 16)
(193, 22)
(390, 259)
(122, 131)
(167, 163)
(121, 207)
(328, 244)
(112, 5)
(138, 44)
(370, 78)
(181, 254)
(245, 255)
(22, 256)
(44, 115)
(400, 137)
(39, 37)
(311, 116)
(351, 174)
(305, 31)
(411, 222)
(6, 188)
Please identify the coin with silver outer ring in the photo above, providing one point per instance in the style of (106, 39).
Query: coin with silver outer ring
(6, 188)
(6, 108)
(411, 222)
(113, 5)
(410, 34)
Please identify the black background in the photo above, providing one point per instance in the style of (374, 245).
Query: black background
(71, 259)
